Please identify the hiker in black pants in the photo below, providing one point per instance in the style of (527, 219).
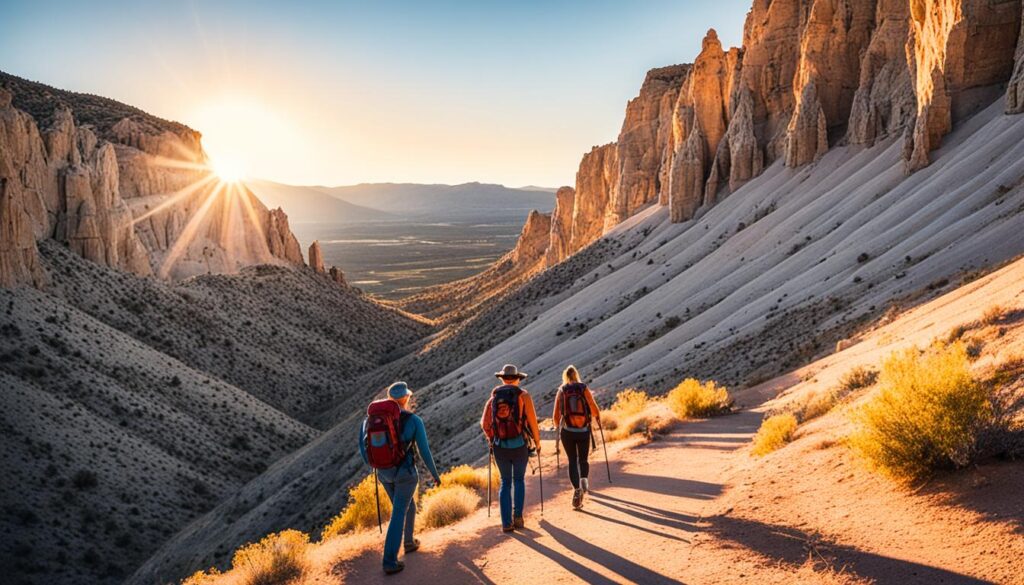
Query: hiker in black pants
(575, 409)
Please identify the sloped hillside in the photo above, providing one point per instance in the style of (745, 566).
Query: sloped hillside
(764, 282)
(133, 406)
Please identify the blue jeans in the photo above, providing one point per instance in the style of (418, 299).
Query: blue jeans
(512, 469)
(400, 484)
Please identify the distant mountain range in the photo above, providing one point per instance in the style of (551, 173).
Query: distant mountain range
(404, 201)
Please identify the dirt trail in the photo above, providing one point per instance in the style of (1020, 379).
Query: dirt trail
(642, 528)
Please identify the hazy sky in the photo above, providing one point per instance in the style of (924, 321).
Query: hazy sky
(509, 92)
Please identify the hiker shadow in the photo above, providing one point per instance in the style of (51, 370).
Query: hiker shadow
(792, 547)
(664, 518)
(668, 486)
(624, 567)
(658, 533)
(991, 490)
(582, 572)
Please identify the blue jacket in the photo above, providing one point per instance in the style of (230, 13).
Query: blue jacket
(412, 431)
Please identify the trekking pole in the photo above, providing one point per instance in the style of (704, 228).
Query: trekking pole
(607, 466)
(490, 462)
(558, 450)
(376, 496)
(541, 471)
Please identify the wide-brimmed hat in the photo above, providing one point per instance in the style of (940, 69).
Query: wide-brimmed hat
(508, 372)
(399, 390)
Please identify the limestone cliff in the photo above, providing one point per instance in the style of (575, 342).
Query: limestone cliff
(122, 189)
(560, 238)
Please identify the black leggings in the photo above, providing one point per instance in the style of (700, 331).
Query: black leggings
(577, 449)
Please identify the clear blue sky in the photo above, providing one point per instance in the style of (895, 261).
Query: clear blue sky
(511, 92)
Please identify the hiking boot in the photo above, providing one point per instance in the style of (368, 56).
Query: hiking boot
(577, 499)
(392, 569)
(413, 546)
(508, 528)
(585, 485)
(518, 523)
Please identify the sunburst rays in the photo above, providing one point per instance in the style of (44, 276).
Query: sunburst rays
(223, 218)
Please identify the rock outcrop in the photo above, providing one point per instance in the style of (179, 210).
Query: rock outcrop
(133, 194)
(597, 180)
(337, 276)
(559, 246)
(316, 257)
(532, 245)
(1015, 89)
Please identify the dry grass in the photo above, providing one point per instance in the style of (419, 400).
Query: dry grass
(447, 504)
(361, 511)
(207, 577)
(471, 477)
(775, 432)
(927, 415)
(693, 399)
(857, 378)
(630, 401)
(276, 560)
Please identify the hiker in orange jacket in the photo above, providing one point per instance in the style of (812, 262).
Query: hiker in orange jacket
(575, 410)
(510, 423)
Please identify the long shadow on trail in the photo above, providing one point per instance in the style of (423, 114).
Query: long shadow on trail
(677, 487)
(660, 534)
(791, 546)
(666, 519)
(623, 566)
(583, 572)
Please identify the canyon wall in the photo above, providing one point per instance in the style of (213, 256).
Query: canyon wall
(811, 74)
(132, 193)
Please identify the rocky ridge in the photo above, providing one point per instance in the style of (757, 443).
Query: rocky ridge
(810, 75)
(122, 189)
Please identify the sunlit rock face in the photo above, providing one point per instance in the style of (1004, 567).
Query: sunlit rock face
(316, 257)
(532, 245)
(560, 240)
(133, 194)
(810, 74)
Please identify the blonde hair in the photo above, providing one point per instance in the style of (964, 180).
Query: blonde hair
(571, 375)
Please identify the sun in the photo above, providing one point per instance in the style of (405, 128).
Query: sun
(228, 169)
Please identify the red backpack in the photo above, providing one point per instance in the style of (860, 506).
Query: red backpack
(506, 418)
(384, 446)
(575, 408)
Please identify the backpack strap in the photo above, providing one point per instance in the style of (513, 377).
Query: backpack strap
(410, 453)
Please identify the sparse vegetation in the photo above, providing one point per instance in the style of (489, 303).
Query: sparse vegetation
(693, 399)
(447, 504)
(775, 432)
(361, 510)
(470, 477)
(857, 378)
(993, 315)
(275, 560)
(630, 402)
(927, 415)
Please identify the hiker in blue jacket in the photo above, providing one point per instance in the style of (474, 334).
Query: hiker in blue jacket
(400, 481)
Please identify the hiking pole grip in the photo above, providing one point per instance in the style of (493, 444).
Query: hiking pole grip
(607, 466)
(376, 496)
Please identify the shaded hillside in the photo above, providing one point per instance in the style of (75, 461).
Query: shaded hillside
(289, 337)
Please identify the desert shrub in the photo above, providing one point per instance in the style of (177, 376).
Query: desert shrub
(692, 398)
(927, 414)
(275, 560)
(818, 404)
(447, 504)
(993, 315)
(361, 511)
(84, 479)
(207, 577)
(470, 477)
(775, 432)
(630, 401)
(857, 378)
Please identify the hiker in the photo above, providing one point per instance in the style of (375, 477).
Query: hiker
(386, 441)
(510, 423)
(575, 410)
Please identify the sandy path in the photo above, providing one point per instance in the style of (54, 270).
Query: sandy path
(642, 528)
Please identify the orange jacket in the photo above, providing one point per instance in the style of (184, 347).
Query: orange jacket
(595, 412)
(525, 405)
